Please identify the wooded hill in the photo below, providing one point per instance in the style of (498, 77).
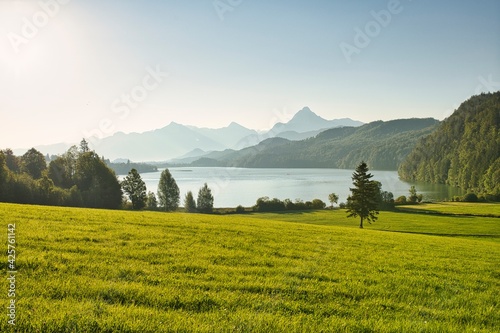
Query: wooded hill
(382, 145)
(464, 151)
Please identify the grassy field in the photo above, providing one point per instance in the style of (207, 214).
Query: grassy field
(457, 208)
(84, 270)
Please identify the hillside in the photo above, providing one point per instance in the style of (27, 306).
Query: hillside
(88, 270)
(464, 151)
(383, 145)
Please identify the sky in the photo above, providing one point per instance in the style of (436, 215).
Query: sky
(75, 68)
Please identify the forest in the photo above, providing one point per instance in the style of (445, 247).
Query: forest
(464, 151)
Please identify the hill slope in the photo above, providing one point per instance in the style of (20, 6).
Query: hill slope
(464, 151)
(383, 145)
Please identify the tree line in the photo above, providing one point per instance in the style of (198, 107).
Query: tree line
(77, 178)
(81, 178)
(168, 194)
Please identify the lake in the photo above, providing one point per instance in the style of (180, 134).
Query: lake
(240, 186)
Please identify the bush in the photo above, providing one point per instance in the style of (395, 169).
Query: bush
(318, 204)
(240, 209)
(342, 205)
(401, 200)
(470, 197)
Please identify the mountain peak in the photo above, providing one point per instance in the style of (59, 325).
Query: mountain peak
(306, 115)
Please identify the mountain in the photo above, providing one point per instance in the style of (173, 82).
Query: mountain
(383, 145)
(174, 141)
(161, 144)
(464, 151)
(307, 121)
(228, 136)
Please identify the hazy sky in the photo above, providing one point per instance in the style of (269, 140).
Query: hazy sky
(74, 67)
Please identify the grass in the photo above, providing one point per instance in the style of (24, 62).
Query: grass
(457, 208)
(84, 270)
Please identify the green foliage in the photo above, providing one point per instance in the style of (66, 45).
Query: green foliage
(33, 163)
(413, 197)
(365, 195)
(151, 202)
(333, 198)
(84, 147)
(168, 192)
(470, 197)
(464, 151)
(3, 176)
(84, 270)
(265, 204)
(98, 184)
(205, 200)
(61, 171)
(383, 145)
(135, 188)
(13, 162)
(318, 204)
(124, 168)
(401, 200)
(240, 210)
(189, 203)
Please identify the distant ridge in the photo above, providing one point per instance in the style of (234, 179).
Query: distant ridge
(174, 141)
(383, 145)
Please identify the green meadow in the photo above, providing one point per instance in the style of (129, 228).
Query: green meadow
(87, 270)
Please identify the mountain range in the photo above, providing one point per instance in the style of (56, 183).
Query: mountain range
(382, 145)
(176, 141)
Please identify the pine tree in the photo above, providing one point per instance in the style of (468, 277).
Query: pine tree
(363, 201)
(189, 203)
(135, 188)
(168, 192)
(205, 200)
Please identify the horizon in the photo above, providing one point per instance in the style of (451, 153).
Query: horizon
(73, 68)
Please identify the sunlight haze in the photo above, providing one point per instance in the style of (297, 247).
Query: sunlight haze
(71, 67)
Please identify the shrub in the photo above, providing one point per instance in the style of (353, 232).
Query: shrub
(240, 209)
(401, 200)
(470, 197)
(318, 204)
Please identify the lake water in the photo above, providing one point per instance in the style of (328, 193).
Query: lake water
(240, 186)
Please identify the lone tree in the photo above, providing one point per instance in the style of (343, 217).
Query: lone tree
(135, 188)
(205, 200)
(333, 198)
(168, 192)
(363, 201)
(189, 203)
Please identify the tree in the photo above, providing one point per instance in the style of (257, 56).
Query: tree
(98, 184)
(205, 201)
(413, 195)
(363, 201)
(84, 146)
(168, 192)
(318, 204)
(333, 198)
(12, 161)
(3, 176)
(33, 163)
(151, 202)
(189, 203)
(135, 188)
